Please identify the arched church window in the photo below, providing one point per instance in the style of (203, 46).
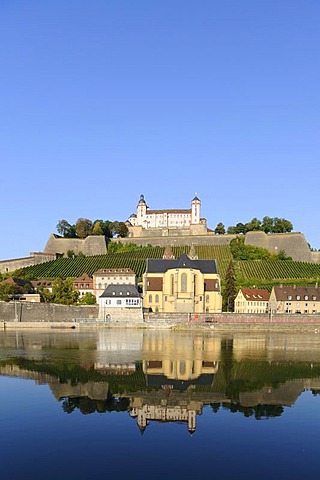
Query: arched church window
(184, 281)
(172, 284)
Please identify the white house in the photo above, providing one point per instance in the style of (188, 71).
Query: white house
(120, 302)
(251, 300)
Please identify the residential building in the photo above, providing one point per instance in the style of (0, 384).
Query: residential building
(182, 285)
(112, 276)
(117, 301)
(42, 284)
(288, 300)
(251, 300)
(84, 284)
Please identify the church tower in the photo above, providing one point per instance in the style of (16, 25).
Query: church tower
(195, 210)
(141, 210)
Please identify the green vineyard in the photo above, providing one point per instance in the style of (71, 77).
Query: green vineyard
(249, 272)
(136, 261)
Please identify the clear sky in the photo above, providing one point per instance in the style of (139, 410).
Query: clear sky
(102, 100)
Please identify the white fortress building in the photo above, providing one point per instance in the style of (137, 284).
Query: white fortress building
(185, 221)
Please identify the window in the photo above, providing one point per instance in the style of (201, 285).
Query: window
(150, 298)
(184, 282)
(207, 298)
(298, 297)
(157, 298)
(306, 297)
(172, 284)
(118, 302)
(289, 297)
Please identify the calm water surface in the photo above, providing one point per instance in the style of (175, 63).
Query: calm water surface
(159, 405)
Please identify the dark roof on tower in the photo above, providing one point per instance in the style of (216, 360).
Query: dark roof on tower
(142, 200)
(162, 265)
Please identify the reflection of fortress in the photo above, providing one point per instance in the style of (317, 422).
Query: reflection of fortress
(165, 413)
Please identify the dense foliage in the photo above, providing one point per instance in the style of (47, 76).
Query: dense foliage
(84, 227)
(267, 225)
(241, 251)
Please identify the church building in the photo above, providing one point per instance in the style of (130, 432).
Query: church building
(183, 285)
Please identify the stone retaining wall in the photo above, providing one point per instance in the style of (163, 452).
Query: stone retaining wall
(45, 312)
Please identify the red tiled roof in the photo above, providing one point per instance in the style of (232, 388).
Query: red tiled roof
(255, 294)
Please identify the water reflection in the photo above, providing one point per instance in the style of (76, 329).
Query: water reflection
(163, 376)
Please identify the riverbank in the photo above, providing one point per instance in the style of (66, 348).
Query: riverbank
(15, 315)
(284, 327)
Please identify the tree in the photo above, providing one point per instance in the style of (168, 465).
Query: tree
(88, 299)
(230, 290)
(267, 224)
(62, 292)
(65, 229)
(254, 224)
(6, 291)
(281, 225)
(240, 228)
(97, 229)
(83, 227)
(122, 230)
(220, 229)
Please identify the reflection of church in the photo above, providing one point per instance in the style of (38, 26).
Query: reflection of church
(181, 375)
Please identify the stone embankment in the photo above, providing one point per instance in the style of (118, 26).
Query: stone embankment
(46, 315)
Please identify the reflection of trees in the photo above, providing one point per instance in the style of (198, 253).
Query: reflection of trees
(259, 412)
(87, 405)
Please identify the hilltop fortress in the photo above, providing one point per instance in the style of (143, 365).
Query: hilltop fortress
(167, 227)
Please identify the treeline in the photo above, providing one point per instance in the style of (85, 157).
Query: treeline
(84, 227)
(267, 225)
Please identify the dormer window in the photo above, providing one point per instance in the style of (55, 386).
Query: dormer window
(306, 297)
(289, 297)
(298, 297)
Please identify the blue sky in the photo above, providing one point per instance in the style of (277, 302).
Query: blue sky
(102, 100)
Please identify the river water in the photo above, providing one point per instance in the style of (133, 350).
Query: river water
(159, 405)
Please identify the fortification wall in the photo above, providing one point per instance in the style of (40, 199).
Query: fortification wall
(16, 263)
(139, 232)
(92, 245)
(181, 240)
(294, 244)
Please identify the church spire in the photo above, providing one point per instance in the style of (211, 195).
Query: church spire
(168, 254)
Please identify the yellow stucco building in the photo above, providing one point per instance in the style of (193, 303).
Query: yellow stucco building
(182, 285)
